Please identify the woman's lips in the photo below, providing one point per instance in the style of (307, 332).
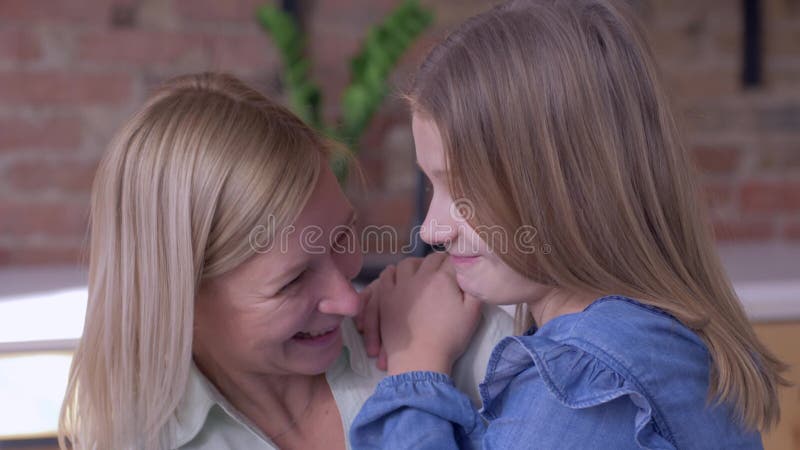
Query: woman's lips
(318, 340)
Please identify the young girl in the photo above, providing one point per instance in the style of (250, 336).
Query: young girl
(544, 123)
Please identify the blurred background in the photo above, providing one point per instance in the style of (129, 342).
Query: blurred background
(72, 71)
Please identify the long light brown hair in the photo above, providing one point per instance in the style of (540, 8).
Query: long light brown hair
(552, 116)
(186, 180)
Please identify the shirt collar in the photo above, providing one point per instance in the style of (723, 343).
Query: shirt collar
(201, 395)
(193, 408)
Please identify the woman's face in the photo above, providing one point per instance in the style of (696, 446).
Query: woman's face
(479, 270)
(280, 311)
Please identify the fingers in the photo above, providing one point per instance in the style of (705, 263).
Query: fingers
(472, 304)
(372, 326)
(383, 361)
(363, 297)
(433, 262)
(388, 278)
(407, 268)
(448, 269)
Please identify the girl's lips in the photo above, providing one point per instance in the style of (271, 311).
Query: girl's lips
(463, 260)
(318, 341)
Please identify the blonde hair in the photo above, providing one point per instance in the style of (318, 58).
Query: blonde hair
(552, 116)
(184, 183)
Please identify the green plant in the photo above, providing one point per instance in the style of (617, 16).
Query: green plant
(369, 70)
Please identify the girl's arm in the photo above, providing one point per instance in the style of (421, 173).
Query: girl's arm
(423, 410)
(417, 410)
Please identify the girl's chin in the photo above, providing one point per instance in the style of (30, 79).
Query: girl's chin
(467, 284)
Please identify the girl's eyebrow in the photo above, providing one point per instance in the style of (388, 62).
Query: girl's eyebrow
(437, 173)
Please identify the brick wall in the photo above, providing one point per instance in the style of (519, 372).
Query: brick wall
(72, 71)
(745, 142)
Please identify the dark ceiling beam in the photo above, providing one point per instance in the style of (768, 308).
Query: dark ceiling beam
(751, 45)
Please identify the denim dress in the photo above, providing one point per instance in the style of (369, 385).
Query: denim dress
(618, 375)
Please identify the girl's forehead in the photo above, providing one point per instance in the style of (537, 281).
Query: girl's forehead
(428, 144)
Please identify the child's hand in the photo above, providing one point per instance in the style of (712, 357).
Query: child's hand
(368, 320)
(426, 321)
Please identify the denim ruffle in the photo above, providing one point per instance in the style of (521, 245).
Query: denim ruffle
(576, 378)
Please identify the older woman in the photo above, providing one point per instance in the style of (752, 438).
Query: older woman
(222, 251)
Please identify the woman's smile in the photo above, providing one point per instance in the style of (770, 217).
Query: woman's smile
(317, 338)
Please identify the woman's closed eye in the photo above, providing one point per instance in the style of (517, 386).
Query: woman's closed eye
(291, 283)
(343, 238)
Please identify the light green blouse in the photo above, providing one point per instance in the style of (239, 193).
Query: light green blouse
(205, 420)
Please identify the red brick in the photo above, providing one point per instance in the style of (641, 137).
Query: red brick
(36, 255)
(716, 160)
(382, 238)
(375, 6)
(331, 50)
(139, 47)
(778, 117)
(396, 210)
(703, 116)
(374, 170)
(415, 54)
(26, 9)
(350, 16)
(770, 197)
(792, 231)
(375, 133)
(53, 133)
(780, 157)
(36, 176)
(743, 230)
(450, 14)
(64, 88)
(55, 10)
(392, 215)
(700, 82)
(216, 10)
(18, 45)
(234, 53)
(717, 195)
(45, 218)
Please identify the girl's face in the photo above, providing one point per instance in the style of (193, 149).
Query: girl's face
(479, 269)
(279, 313)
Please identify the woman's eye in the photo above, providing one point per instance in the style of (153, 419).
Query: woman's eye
(344, 239)
(291, 283)
(344, 236)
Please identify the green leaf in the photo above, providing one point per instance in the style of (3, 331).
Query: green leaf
(369, 69)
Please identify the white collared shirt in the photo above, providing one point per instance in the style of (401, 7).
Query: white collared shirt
(204, 420)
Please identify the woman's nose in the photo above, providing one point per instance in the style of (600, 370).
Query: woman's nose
(340, 297)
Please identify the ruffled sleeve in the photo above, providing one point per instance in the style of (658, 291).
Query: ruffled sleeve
(417, 410)
(542, 393)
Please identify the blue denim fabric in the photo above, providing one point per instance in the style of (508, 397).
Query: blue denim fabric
(619, 375)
